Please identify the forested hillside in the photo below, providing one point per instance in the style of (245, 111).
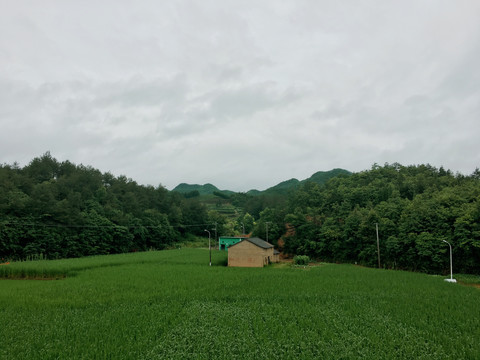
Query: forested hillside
(194, 189)
(58, 209)
(283, 188)
(416, 207)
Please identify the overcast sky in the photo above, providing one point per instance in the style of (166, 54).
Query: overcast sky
(241, 94)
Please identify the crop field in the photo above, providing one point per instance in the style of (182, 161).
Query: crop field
(172, 305)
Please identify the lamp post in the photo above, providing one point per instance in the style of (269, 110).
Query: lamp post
(378, 246)
(451, 264)
(209, 247)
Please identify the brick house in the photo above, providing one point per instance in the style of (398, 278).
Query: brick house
(252, 252)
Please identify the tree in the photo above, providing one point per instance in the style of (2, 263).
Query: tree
(246, 223)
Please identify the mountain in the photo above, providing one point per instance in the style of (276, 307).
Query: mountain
(205, 189)
(320, 177)
(283, 187)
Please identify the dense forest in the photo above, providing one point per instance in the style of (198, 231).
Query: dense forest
(415, 207)
(51, 209)
(58, 209)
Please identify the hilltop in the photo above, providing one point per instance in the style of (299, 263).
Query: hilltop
(205, 189)
(320, 177)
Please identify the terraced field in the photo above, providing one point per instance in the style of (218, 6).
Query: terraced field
(172, 305)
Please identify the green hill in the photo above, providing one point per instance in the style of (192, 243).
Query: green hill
(320, 177)
(205, 189)
(283, 187)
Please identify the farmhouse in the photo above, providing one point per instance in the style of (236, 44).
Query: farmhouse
(253, 252)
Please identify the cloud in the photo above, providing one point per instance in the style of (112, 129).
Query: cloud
(240, 94)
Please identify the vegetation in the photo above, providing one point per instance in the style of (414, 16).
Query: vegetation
(301, 260)
(172, 305)
(54, 210)
(283, 188)
(289, 186)
(51, 210)
(416, 207)
(206, 189)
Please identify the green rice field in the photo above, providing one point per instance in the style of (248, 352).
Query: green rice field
(172, 305)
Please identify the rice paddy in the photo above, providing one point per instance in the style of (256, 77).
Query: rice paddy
(172, 305)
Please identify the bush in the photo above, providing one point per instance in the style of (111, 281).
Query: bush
(301, 260)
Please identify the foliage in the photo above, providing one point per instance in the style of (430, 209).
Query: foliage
(416, 207)
(191, 194)
(224, 224)
(205, 189)
(246, 223)
(58, 209)
(270, 225)
(54, 209)
(301, 260)
(221, 194)
(172, 305)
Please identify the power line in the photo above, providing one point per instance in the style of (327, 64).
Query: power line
(195, 225)
(97, 226)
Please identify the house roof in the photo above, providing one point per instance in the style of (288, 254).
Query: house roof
(232, 237)
(256, 241)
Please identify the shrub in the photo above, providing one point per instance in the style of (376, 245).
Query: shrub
(301, 260)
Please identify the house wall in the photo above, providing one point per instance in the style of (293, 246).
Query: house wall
(224, 242)
(246, 254)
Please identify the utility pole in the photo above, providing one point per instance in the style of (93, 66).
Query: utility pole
(215, 233)
(209, 246)
(266, 227)
(378, 246)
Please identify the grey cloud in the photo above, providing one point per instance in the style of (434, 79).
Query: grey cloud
(141, 92)
(296, 87)
(463, 80)
(248, 100)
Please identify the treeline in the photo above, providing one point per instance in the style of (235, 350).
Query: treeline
(416, 207)
(58, 209)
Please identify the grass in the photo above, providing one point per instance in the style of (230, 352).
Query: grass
(172, 305)
(468, 279)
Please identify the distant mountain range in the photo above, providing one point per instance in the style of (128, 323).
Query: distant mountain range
(320, 177)
(205, 189)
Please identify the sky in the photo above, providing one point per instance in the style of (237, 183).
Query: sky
(241, 94)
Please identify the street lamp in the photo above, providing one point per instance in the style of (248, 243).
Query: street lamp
(451, 266)
(209, 247)
(378, 246)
